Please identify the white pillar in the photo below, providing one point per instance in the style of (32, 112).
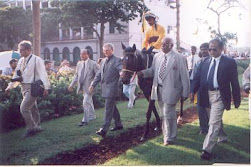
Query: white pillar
(49, 4)
(24, 5)
(60, 32)
(82, 32)
(41, 6)
(71, 33)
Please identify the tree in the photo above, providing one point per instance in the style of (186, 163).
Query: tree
(219, 7)
(36, 25)
(91, 13)
(50, 19)
(15, 25)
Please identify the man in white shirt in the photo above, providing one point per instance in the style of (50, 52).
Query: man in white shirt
(191, 61)
(85, 73)
(29, 68)
(10, 70)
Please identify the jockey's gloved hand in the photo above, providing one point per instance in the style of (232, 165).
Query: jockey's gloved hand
(143, 50)
(247, 88)
(150, 49)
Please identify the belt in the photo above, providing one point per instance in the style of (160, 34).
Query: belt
(214, 89)
(160, 85)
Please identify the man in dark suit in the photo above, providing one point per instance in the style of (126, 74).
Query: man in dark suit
(215, 78)
(108, 75)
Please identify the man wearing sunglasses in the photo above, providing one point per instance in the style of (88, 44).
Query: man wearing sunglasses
(216, 77)
(154, 34)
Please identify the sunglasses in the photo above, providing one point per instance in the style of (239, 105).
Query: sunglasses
(212, 50)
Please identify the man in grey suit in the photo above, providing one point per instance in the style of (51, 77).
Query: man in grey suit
(85, 72)
(170, 83)
(108, 75)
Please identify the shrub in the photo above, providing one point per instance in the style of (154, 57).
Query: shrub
(59, 102)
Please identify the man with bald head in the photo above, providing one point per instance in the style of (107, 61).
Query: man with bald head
(170, 83)
(85, 72)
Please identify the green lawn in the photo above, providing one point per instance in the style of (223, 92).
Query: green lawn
(189, 144)
(63, 134)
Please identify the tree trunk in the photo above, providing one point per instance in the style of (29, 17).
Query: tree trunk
(178, 24)
(36, 25)
(101, 40)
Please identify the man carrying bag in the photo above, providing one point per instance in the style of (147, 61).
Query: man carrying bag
(30, 69)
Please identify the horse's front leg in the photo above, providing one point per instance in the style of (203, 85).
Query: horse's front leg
(148, 117)
(158, 122)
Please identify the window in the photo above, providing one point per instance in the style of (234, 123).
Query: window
(91, 51)
(66, 54)
(47, 55)
(111, 27)
(56, 55)
(76, 55)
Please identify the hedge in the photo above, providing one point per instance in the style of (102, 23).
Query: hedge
(59, 102)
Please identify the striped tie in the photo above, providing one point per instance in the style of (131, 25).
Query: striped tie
(162, 69)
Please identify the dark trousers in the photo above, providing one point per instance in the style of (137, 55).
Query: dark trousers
(111, 111)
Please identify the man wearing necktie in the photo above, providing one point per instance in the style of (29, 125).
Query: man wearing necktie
(85, 72)
(108, 75)
(191, 61)
(215, 78)
(170, 83)
(30, 67)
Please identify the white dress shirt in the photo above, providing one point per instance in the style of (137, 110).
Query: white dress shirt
(28, 71)
(215, 82)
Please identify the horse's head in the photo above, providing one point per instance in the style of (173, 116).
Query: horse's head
(130, 61)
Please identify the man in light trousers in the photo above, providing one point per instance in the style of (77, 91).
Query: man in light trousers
(30, 66)
(85, 72)
(170, 83)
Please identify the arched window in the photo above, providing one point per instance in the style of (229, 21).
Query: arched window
(76, 55)
(56, 55)
(47, 54)
(66, 54)
(91, 51)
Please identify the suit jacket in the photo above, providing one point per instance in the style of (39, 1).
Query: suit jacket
(227, 78)
(91, 68)
(176, 80)
(110, 77)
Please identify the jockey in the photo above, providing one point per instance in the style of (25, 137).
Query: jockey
(154, 34)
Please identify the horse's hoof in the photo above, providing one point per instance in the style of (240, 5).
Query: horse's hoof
(142, 139)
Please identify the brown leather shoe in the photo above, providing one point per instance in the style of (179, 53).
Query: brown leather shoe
(117, 128)
(205, 155)
(101, 133)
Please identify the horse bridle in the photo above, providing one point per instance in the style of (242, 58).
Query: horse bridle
(135, 62)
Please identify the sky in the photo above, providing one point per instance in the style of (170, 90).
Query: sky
(235, 20)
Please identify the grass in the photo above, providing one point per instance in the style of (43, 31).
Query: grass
(63, 134)
(188, 147)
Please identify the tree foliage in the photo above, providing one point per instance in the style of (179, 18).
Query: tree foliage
(50, 19)
(219, 7)
(15, 25)
(91, 13)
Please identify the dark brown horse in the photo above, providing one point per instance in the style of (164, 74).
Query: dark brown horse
(134, 61)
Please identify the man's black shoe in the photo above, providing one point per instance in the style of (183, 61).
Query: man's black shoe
(29, 133)
(101, 133)
(82, 124)
(117, 128)
(205, 155)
